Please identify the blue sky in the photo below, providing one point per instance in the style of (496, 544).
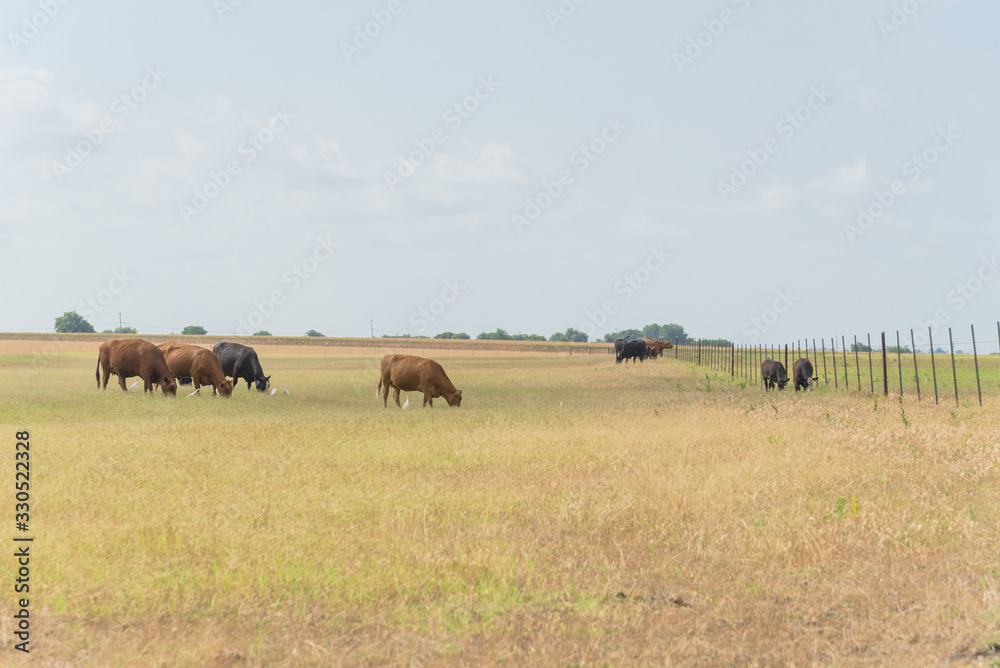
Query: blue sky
(308, 232)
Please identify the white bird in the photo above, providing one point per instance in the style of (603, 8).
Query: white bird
(274, 391)
(133, 385)
(406, 404)
(195, 392)
(285, 389)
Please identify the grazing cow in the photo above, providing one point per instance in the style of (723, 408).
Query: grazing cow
(773, 372)
(409, 373)
(199, 363)
(134, 357)
(802, 373)
(633, 350)
(619, 344)
(240, 362)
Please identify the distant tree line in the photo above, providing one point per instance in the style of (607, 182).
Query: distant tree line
(570, 335)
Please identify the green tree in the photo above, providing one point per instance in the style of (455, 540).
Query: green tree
(262, 332)
(528, 337)
(313, 332)
(570, 335)
(898, 349)
(452, 335)
(125, 330)
(194, 330)
(499, 335)
(860, 348)
(623, 334)
(71, 321)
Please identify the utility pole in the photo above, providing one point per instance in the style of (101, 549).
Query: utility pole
(372, 324)
(119, 320)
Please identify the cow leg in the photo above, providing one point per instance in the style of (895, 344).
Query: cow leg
(395, 395)
(428, 399)
(147, 385)
(385, 396)
(105, 375)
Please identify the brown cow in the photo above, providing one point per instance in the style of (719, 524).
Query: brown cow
(410, 373)
(656, 348)
(199, 363)
(134, 357)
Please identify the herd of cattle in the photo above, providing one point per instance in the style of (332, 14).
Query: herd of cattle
(169, 363)
(772, 372)
(639, 349)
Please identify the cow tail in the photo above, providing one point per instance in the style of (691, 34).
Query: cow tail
(97, 373)
(378, 390)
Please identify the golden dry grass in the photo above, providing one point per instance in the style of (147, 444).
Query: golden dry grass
(571, 512)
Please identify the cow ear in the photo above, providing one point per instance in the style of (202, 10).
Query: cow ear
(267, 378)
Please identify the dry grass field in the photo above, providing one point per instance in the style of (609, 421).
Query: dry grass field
(571, 512)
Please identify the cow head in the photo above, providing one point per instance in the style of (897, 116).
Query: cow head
(454, 400)
(225, 388)
(262, 383)
(782, 382)
(813, 382)
(168, 385)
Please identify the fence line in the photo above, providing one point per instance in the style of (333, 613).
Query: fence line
(974, 363)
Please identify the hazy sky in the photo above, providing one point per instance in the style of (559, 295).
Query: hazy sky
(531, 165)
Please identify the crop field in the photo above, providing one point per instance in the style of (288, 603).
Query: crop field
(571, 512)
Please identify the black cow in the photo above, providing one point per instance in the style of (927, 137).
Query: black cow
(773, 373)
(634, 350)
(802, 373)
(240, 363)
(619, 344)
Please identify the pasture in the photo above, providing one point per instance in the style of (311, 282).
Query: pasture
(572, 511)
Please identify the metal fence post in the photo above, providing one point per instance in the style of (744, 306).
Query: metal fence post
(975, 356)
(899, 362)
(885, 372)
(954, 376)
(857, 362)
(930, 336)
(826, 381)
(847, 370)
(833, 351)
(871, 372)
(916, 371)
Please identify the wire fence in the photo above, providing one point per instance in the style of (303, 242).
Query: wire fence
(952, 366)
